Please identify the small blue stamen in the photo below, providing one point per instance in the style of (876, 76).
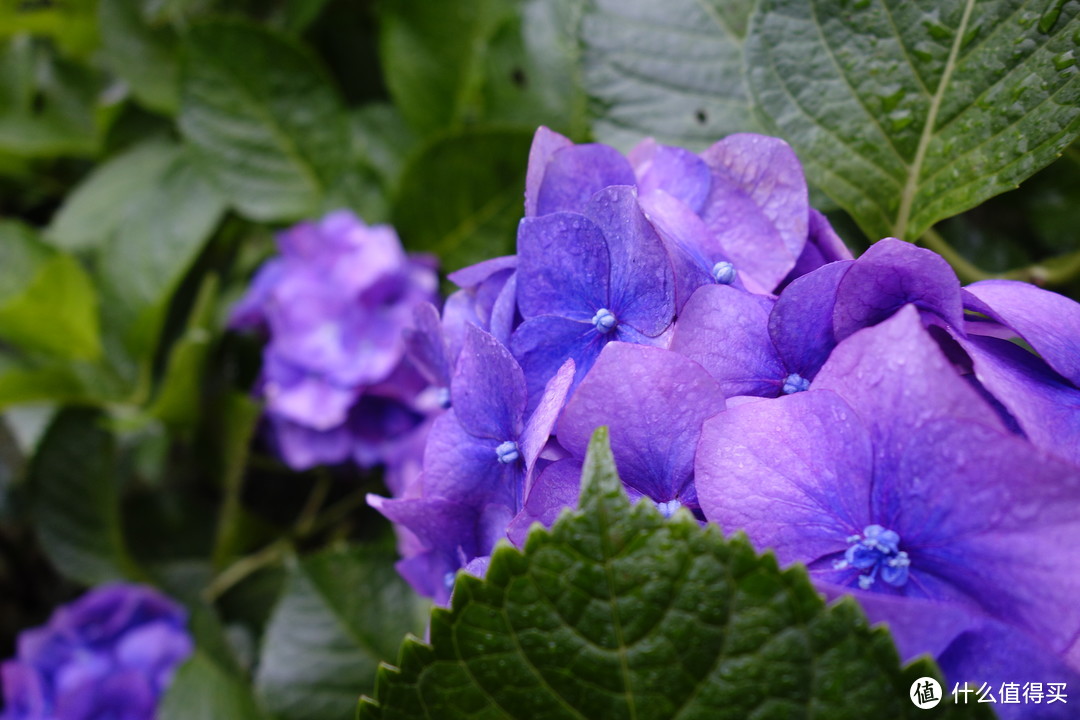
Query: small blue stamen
(604, 320)
(442, 396)
(794, 383)
(448, 580)
(724, 272)
(507, 452)
(876, 549)
(667, 509)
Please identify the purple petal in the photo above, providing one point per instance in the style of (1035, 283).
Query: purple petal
(891, 274)
(768, 171)
(691, 247)
(642, 285)
(1045, 405)
(250, 312)
(473, 275)
(1049, 322)
(504, 311)
(674, 170)
(793, 473)
(542, 344)
(538, 428)
(426, 346)
(488, 388)
(574, 174)
(897, 379)
(545, 143)
(466, 468)
(990, 515)
(630, 390)
(302, 447)
(564, 267)
(726, 331)
(555, 490)
(801, 324)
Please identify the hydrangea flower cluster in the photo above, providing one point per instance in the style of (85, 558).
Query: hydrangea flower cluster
(912, 442)
(110, 654)
(334, 304)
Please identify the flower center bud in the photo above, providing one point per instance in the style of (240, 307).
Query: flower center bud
(794, 383)
(604, 320)
(667, 509)
(507, 452)
(442, 396)
(876, 551)
(724, 272)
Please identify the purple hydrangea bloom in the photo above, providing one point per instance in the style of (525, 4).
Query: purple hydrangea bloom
(110, 654)
(893, 480)
(334, 305)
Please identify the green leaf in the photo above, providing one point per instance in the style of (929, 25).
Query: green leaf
(142, 263)
(671, 70)
(619, 613)
(49, 106)
(98, 206)
(76, 499)
(906, 114)
(264, 118)
(460, 62)
(144, 56)
(342, 611)
(461, 196)
(57, 314)
(203, 690)
(178, 401)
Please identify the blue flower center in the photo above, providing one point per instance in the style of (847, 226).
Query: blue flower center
(876, 553)
(507, 452)
(604, 320)
(442, 396)
(724, 272)
(667, 509)
(794, 383)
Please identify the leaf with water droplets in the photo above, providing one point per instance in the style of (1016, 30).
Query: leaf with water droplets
(619, 613)
(909, 113)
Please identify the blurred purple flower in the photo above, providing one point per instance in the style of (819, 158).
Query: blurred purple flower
(110, 654)
(892, 478)
(334, 305)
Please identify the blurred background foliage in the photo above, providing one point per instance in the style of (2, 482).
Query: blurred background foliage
(148, 151)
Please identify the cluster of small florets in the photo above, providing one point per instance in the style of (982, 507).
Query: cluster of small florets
(870, 418)
(110, 654)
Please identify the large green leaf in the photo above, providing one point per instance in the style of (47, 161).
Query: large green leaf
(264, 118)
(76, 499)
(342, 611)
(619, 613)
(144, 56)
(908, 113)
(458, 62)
(672, 70)
(461, 195)
(203, 690)
(47, 302)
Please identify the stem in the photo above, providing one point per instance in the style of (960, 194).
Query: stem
(241, 415)
(1055, 271)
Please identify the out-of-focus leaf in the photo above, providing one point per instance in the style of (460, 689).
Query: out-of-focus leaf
(47, 302)
(618, 613)
(76, 499)
(297, 15)
(906, 113)
(67, 382)
(71, 25)
(145, 259)
(383, 140)
(178, 401)
(461, 195)
(57, 314)
(672, 70)
(264, 119)
(203, 690)
(96, 209)
(461, 62)
(342, 611)
(144, 56)
(49, 106)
